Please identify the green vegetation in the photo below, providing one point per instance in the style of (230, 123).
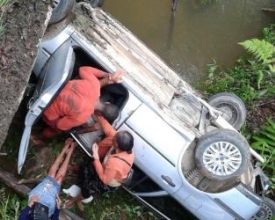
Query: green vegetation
(264, 143)
(3, 3)
(10, 206)
(117, 205)
(252, 77)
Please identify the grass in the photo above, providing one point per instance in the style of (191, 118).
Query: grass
(3, 3)
(116, 205)
(264, 143)
(10, 205)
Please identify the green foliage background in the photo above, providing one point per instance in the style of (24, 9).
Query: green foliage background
(252, 79)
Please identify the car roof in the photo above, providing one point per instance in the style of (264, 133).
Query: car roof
(149, 72)
(115, 48)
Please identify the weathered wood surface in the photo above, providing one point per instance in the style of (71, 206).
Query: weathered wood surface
(148, 76)
(12, 182)
(123, 50)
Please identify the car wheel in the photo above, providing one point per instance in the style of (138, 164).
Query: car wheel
(96, 3)
(61, 8)
(267, 210)
(232, 108)
(222, 154)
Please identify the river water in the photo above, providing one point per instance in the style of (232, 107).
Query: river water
(195, 35)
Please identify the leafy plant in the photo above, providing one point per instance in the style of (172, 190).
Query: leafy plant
(10, 206)
(264, 143)
(2, 24)
(261, 49)
(268, 34)
(252, 77)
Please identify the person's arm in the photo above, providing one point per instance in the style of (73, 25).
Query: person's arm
(25, 214)
(68, 122)
(106, 127)
(105, 175)
(55, 215)
(87, 72)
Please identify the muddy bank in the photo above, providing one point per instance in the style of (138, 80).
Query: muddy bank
(25, 25)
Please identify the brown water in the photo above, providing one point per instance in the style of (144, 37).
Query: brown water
(196, 34)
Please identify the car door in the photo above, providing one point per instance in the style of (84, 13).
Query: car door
(157, 148)
(52, 78)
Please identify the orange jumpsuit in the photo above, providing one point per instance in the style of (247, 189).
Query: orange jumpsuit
(113, 167)
(75, 103)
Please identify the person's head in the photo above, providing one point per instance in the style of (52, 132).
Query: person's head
(124, 141)
(39, 212)
(109, 111)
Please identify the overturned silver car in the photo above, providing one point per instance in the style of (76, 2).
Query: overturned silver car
(187, 149)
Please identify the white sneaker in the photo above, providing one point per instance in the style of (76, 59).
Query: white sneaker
(87, 200)
(73, 191)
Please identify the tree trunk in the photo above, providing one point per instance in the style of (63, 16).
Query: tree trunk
(9, 180)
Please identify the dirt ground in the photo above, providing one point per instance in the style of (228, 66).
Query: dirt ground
(25, 25)
(257, 116)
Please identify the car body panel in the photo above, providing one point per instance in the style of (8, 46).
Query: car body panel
(49, 47)
(48, 89)
(164, 173)
(144, 122)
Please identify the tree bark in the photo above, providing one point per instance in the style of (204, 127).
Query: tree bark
(9, 180)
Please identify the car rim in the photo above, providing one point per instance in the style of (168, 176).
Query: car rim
(264, 213)
(222, 158)
(55, 3)
(228, 112)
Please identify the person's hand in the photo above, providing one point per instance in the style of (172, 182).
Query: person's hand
(95, 151)
(94, 127)
(33, 200)
(116, 77)
(58, 202)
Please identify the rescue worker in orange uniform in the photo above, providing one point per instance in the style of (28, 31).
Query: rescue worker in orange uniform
(78, 100)
(113, 159)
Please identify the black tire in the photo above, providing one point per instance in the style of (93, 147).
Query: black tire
(61, 9)
(267, 210)
(231, 106)
(222, 154)
(96, 3)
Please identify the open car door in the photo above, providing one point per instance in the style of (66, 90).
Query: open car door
(56, 72)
